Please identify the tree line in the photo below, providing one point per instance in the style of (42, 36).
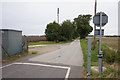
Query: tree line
(68, 30)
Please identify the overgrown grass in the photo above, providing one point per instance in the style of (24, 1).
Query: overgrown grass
(15, 57)
(40, 43)
(94, 58)
(110, 72)
(109, 56)
(83, 43)
(48, 42)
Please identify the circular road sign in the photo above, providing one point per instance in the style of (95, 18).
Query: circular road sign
(96, 19)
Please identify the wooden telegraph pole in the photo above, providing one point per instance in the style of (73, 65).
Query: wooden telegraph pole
(95, 9)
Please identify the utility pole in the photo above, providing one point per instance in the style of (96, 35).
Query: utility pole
(94, 24)
(58, 15)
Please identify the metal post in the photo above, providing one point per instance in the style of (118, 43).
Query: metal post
(89, 58)
(100, 52)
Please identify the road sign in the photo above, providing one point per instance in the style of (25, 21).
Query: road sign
(96, 19)
(97, 32)
(100, 19)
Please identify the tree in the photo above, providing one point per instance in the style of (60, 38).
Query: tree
(83, 27)
(66, 30)
(52, 31)
(75, 33)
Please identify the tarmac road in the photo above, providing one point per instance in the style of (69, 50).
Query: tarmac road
(69, 55)
(66, 62)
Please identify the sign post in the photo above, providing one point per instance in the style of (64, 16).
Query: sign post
(97, 32)
(100, 19)
(100, 52)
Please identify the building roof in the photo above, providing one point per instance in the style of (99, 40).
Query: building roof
(10, 30)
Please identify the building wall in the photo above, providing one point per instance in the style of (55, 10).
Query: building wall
(0, 44)
(0, 54)
(12, 41)
(119, 18)
(5, 39)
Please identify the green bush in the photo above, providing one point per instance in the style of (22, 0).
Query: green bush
(109, 56)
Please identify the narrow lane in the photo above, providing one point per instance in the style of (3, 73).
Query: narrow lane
(66, 62)
(69, 55)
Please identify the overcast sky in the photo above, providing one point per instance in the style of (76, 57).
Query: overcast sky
(32, 16)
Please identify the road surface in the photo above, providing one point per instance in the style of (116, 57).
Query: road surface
(66, 62)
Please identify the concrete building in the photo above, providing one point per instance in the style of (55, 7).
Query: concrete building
(0, 55)
(11, 41)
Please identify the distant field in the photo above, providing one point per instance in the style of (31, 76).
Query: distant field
(111, 42)
(35, 38)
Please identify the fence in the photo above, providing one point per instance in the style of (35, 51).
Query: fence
(24, 44)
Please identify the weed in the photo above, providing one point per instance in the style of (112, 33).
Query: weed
(110, 72)
(35, 52)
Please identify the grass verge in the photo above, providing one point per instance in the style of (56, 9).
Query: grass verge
(16, 57)
(48, 42)
(110, 57)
